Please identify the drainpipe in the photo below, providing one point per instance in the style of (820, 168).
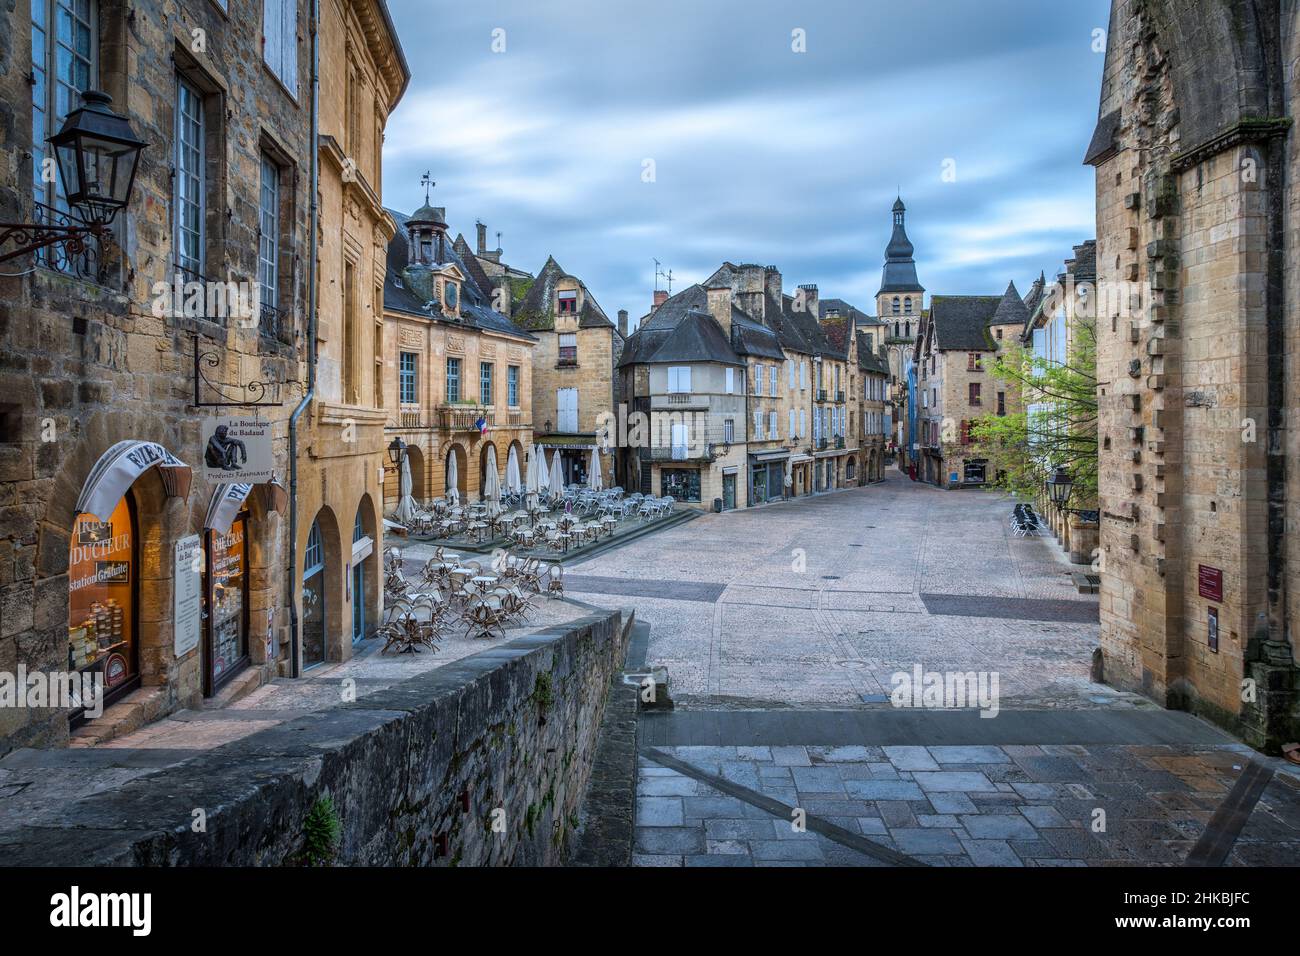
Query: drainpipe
(310, 393)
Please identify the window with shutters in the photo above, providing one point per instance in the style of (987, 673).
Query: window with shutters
(679, 378)
(965, 432)
(974, 388)
(566, 404)
(758, 380)
(789, 367)
(680, 441)
(731, 381)
(280, 41)
(729, 430)
(758, 423)
(803, 375)
(771, 425)
(771, 380)
(1002, 403)
(793, 432)
(803, 422)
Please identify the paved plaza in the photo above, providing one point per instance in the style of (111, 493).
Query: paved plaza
(781, 629)
(818, 602)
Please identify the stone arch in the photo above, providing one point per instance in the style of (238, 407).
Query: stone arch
(419, 473)
(373, 597)
(326, 628)
(456, 449)
(520, 456)
(483, 463)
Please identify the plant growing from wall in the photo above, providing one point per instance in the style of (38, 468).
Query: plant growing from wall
(543, 694)
(320, 831)
(1057, 424)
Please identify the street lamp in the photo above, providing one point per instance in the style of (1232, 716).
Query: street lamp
(1059, 486)
(396, 452)
(97, 153)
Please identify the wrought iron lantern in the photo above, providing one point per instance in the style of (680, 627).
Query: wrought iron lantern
(1059, 486)
(396, 452)
(97, 154)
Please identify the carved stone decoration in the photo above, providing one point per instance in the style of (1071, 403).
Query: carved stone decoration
(456, 343)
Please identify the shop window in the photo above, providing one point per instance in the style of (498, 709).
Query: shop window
(226, 594)
(680, 483)
(102, 575)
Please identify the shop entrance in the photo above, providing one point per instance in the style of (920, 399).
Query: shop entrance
(225, 596)
(103, 571)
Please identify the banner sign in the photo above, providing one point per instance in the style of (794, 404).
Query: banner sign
(187, 606)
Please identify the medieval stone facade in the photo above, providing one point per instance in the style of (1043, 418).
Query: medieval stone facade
(1198, 229)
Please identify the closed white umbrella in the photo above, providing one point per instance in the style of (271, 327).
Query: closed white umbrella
(595, 481)
(453, 480)
(557, 481)
(534, 486)
(491, 481)
(406, 506)
(513, 485)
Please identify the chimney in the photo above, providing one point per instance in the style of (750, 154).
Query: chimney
(660, 298)
(807, 300)
(482, 237)
(719, 298)
(749, 291)
(772, 284)
(501, 297)
(622, 322)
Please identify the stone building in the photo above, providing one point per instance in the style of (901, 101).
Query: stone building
(684, 382)
(900, 304)
(577, 349)
(958, 342)
(1198, 237)
(117, 556)
(342, 447)
(861, 337)
(1051, 335)
(458, 375)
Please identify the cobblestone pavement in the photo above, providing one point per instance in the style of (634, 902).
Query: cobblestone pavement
(1014, 805)
(818, 602)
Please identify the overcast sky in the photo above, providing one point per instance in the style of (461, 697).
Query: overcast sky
(759, 153)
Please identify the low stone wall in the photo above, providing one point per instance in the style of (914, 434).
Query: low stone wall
(481, 762)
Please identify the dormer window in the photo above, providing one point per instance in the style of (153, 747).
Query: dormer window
(567, 301)
(451, 295)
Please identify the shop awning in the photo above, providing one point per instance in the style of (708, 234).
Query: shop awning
(769, 456)
(119, 467)
(800, 459)
(227, 500)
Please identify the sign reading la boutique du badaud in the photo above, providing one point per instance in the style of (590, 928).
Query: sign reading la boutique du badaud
(237, 450)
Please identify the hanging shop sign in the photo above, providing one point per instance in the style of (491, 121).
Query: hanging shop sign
(237, 450)
(187, 591)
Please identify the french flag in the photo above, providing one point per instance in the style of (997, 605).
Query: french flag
(482, 425)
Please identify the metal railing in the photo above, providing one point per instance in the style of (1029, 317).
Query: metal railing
(464, 418)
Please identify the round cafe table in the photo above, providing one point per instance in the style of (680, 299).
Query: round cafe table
(483, 582)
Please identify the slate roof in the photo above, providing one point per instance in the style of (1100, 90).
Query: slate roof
(1011, 310)
(537, 310)
(1104, 139)
(870, 361)
(475, 303)
(899, 274)
(681, 329)
(961, 321)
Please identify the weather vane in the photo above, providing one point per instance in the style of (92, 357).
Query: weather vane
(428, 184)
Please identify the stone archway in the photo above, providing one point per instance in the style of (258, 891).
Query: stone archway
(321, 591)
(456, 451)
(367, 570)
(483, 458)
(419, 473)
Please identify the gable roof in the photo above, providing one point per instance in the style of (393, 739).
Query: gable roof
(960, 322)
(537, 310)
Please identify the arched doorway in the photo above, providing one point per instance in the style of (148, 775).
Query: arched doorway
(321, 610)
(103, 589)
(419, 480)
(488, 460)
(365, 576)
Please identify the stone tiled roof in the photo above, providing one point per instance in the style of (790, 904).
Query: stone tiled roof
(961, 321)
(537, 310)
(655, 335)
(1011, 310)
(1104, 139)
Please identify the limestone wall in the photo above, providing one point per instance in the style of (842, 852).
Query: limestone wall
(416, 775)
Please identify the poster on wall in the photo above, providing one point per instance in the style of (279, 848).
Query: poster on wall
(237, 450)
(187, 593)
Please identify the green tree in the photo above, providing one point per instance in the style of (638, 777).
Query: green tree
(1056, 423)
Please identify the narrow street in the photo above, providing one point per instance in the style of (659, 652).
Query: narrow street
(780, 649)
